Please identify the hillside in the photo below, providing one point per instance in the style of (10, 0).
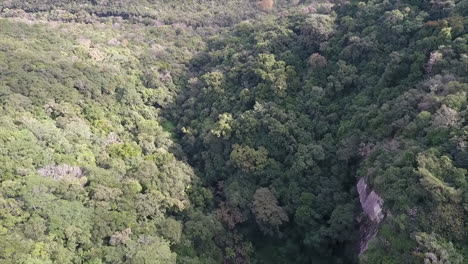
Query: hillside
(157, 131)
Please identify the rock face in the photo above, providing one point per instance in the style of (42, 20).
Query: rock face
(371, 204)
(64, 172)
(60, 172)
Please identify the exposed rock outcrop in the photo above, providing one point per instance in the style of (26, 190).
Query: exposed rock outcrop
(371, 204)
(63, 172)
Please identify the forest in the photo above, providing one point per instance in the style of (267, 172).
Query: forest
(233, 132)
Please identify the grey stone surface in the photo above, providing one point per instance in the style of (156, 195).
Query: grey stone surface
(371, 204)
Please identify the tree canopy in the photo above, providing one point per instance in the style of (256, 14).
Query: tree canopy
(232, 131)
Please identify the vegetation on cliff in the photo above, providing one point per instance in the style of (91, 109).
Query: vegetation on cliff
(217, 131)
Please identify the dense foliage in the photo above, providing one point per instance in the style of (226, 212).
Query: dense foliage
(157, 131)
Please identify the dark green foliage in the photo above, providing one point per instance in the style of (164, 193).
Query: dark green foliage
(232, 131)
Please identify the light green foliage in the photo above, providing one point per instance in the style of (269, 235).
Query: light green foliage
(214, 132)
(72, 98)
(272, 74)
(125, 150)
(436, 250)
(435, 172)
(153, 252)
(223, 127)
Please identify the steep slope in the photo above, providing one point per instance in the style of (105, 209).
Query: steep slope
(90, 172)
(233, 131)
(288, 112)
